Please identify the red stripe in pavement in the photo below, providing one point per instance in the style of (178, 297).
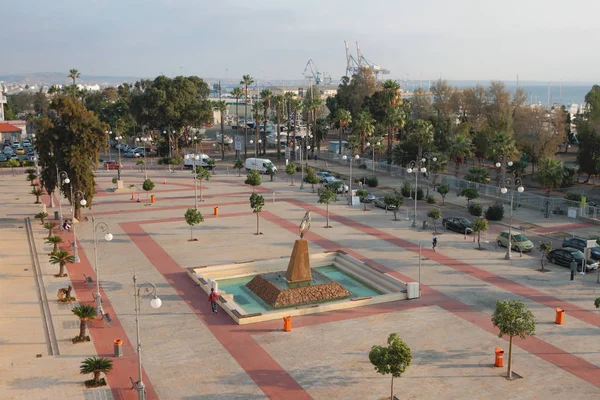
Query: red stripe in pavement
(150, 209)
(552, 354)
(270, 377)
(103, 334)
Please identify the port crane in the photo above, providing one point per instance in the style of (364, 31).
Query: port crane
(353, 65)
(312, 72)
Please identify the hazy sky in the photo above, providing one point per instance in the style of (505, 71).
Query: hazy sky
(460, 39)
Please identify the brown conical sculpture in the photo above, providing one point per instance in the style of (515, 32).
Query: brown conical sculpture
(298, 271)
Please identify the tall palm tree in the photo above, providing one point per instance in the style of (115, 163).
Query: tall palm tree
(257, 109)
(84, 312)
(96, 366)
(550, 174)
(392, 91)
(246, 81)
(288, 97)
(295, 107)
(61, 257)
(221, 106)
(421, 134)
(364, 124)
(344, 118)
(266, 96)
(394, 120)
(74, 75)
(237, 93)
(502, 145)
(279, 104)
(460, 150)
(54, 240)
(314, 106)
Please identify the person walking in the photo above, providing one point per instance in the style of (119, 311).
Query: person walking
(213, 297)
(434, 241)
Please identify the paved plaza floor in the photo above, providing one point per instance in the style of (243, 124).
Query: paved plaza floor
(190, 353)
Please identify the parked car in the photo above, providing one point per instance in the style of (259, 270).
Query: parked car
(111, 165)
(3, 157)
(26, 143)
(458, 224)
(21, 151)
(332, 181)
(322, 175)
(16, 145)
(137, 152)
(566, 255)
(369, 198)
(519, 241)
(8, 151)
(579, 244)
(379, 202)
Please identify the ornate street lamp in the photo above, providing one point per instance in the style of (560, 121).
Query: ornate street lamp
(416, 167)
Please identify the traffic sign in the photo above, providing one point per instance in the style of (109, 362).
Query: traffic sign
(238, 142)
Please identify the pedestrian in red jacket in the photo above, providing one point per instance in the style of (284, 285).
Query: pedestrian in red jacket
(213, 297)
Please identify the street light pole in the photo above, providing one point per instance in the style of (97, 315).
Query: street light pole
(155, 303)
(61, 177)
(416, 167)
(373, 148)
(299, 149)
(514, 182)
(103, 227)
(356, 157)
(118, 138)
(78, 194)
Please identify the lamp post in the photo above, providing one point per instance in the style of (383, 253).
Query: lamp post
(416, 167)
(118, 139)
(78, 194)
(299, 149)
(102, 227)
(345, 157)
(429, 157)
(60, 180)
(155, 303)
(373, 148)
(512, 182)
(194, 158)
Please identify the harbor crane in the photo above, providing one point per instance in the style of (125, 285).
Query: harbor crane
(353, 65)
(312, 72)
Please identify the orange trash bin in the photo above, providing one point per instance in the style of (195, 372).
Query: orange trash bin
(118, 348)
(152, 199)
(287, 324)
(216, 210)
(560, 316)
(499, 361)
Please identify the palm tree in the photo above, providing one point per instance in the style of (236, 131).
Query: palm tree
(344, 119)
(278, 103)
(54, 240)
(550, 174)
(84, 312)
(314, 106)
(392, 90)
(460, 150)
(394, 120)
(421, 134)
(74, 75)
(96, 366)
(237, 93)
(50, 226)
(295, 106)
(246, 81)
(37, 193)
(257, 109)
(221, 106)
(266, 96)
(502, 145)
(364, 124)
(288, 98)
(61, 257)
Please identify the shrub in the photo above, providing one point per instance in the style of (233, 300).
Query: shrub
(406, 189)
(475, 209)
(12, 163)
(371, 181)
(430, 199)
(176, 160)
(28, 163)
(495, 212)
(478, 175)
(568, 177)
(115, 179)
(299, 167)
(420, 194)
(573, 196)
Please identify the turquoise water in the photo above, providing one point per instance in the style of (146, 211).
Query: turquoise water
(253, 304)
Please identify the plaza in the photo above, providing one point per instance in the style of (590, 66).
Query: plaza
(190, 353)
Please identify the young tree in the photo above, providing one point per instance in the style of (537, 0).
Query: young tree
(96, 366)
(326, 196)
(37, 193)
(84, 312)
(253, 179)
(290, 170)
(597, 302)
(435, 214)
(470, 194)
(50, 226)
(148, 186)
(239, 164)
(193, 217)
(41, 216)
(513, 318)
(362, 193)
(550, 174)
(544, 248)
(270, 172)
(393, 359)
(480, 225)
(393, 202)
(311, 178)
(443, 191)
(257, 202)
(31, 178)
(54, 240)
(61, 257)
(202, 174)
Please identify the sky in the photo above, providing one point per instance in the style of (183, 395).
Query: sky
(544, 40)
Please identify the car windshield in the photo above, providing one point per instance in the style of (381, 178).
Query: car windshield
(520, 238)
(577, 255)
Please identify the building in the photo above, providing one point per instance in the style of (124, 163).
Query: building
(11, 132)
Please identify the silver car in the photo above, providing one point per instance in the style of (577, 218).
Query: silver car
(380, 202)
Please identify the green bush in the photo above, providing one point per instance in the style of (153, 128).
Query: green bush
(28, 163)
(406, 189)
(568, 177)
(495, 212)
(115, 179)
(430, 199)
(10, 163)
(420, 194)
(573, 196)
(176, 160)
(475, 209)
(299, 167)
(371, 181)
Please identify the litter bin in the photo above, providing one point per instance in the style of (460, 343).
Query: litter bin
(287, 324)
(560, 316)
(118, 347)
(425, 225)
(216, 210)
(499, 360)
(152, 199)
(56, 216)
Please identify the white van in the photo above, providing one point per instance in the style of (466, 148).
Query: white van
(259, 164)
(204, 161)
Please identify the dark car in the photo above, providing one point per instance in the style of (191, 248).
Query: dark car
(566, 255)
(458, 224)
(579, 244)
